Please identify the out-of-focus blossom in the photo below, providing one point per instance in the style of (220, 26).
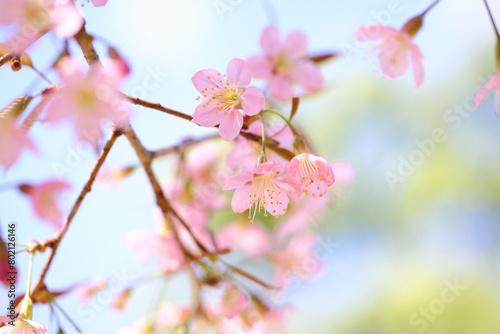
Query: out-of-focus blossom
(296, 258)
(285, 64)
(87, 100)
(244, 153)
(256, 321)
(492, 84)
(253, 239)
(5, 267)
(22, 326)
(87, 291)
(44, 200)
(114, 176)
(36, 17)
(395, 50)
(224, 97)
(170, 316)
(313, 172)
(262, 189)
(233, 300)
(148, 243)
(141, 326)
(121, 300)
(14, 140)
(99, 3)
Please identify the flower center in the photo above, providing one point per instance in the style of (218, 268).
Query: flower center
(84, 95)
(263, 191)
(281, 64)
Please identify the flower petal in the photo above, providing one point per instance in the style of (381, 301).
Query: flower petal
(270, 41)
(281, 87)
(373, 32)
(205, 116)
(206, 79)
(237, 180)
(260, 66)
(231, 125)
(295, 46)
(416, 63)
(308, 75)
(240, 201)
(289, 184)
(269, 167)
(291, 167)
(494, 82)
(238, 73)
(40, 329)
(252, 101)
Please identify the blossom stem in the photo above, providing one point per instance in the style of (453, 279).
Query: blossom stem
(430, 7)
(492, 20)
(263, 156)
(53, 301)
(28, 287)
(292, 128)
(156, 106)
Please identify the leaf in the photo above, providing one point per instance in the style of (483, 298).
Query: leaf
(324, 57)
(295, 106)
(16, 107)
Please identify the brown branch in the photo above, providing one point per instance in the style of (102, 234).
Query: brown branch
(54, 243)
(156, 106)
(180, 147)
(6, 58)
(145, 157)
(85, 41)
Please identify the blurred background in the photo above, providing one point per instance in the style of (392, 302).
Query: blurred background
(417, 231)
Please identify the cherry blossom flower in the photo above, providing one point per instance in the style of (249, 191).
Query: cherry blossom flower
(256, 321)
(44, 200)
(233, 300)
(396, 49)
(22, 326)
(169, 316)
(14, 140)
(244, 153)
(87, 100)
(262, 189)
(285, 63)
(224, 97)
(492, 84)
(37, 17)
(87, 291)
(313, 172)
(297, 258)
(253, 239)
(147, 243)
(99, 3)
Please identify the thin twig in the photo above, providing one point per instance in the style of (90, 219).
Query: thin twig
(156, 106)
(492, 20)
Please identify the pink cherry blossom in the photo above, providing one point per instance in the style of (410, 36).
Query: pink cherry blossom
(44, 200)
(233, 300)
(22, 326)
(313, 172)
(87, 100)
(253, 239)
(262, 189)
(5, 267)
(148, 243)
(244, 153)
(296, 258)
(224, 97)
(492, 84)
(396, 50)
(87, 291)
(99, 3)
(169, 316)
(14, 140)
(37, 17)
(285, 63)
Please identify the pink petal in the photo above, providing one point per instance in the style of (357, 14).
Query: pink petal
(238, 73)
(291, 167)
(234, 301)
(231, 125)
(240, 201)
(324, 168)
(267, 168)
(99, 3)
(281, 87)
(418, 68)
(289, 184)
(206, 79)
(373, 32)
(276, 205)
(270, 41)
(494, 82)
(393, 59)
(260, 66)
(68, 20)
(237, 180)
(40, 329)
(252, 101)
(308, 75)
(295, 46)
(206, 116)
(5, 319)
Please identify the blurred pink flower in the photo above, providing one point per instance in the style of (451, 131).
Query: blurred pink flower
(5, 267)
(233, 300)
(313, 172)
(148, 243)
(492, 84)
(99, 3)
(87, 100)
(255, 321)
(37, 17)
(395, 47)
(44, 200)
(223, 98)
(169, 316)
(87, 291)
(244, 153)
(262, 188)
(285, 63)
(14, 140)
(22, 326)
(253, 239)
(296, 258)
